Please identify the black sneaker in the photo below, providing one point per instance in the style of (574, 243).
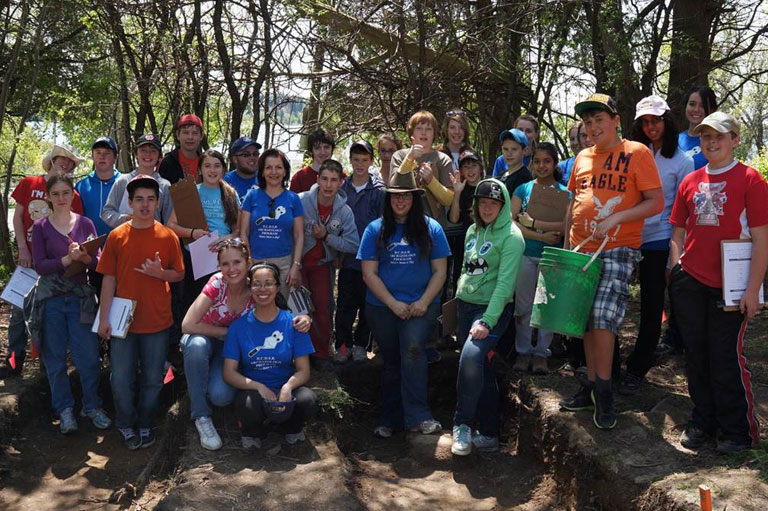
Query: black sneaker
(630, 384)
(6, 371)
(725, 446)
(693, 437)
(581, 400)
(604, 415)
(132, 442)
(147, 440)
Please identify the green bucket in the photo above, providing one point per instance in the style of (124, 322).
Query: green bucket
(565, 291)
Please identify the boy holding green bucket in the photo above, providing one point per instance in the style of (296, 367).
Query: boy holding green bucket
(725, 200)
(615, 186)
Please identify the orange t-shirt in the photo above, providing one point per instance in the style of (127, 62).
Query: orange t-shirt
(604, 182)
(126, 249)
(189, 167)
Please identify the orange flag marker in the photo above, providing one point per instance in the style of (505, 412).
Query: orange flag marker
(169, 376)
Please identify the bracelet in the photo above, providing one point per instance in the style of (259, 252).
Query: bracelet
(484, 324)
(533, 224)
(192, 233)
(297, 264)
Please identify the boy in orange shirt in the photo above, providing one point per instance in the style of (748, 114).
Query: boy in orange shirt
(140, 258)
(615, 186)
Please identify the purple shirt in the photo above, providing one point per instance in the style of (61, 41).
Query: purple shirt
(49, 246)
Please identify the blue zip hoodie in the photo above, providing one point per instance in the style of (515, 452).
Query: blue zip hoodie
(366, 206)
(94, 192)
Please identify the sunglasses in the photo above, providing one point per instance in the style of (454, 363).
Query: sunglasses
(232, 242)
(271, 208)
(452, 113)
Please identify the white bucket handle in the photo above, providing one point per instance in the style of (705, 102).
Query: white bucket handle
(597, 252)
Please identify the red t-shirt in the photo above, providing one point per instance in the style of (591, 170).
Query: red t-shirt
(126, 249)
(316, 253)
(29, 194)
(189, 167)
(303, 180)
(716, 207)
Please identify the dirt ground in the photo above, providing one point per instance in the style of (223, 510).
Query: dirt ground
(549, 459)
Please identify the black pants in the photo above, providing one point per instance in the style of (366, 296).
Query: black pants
(718, 379)
(651, 270)
(350, 304)
(253, 421)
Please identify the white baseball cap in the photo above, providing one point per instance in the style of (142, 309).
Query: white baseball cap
(651, 105)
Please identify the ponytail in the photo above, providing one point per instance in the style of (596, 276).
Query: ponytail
(229, 201)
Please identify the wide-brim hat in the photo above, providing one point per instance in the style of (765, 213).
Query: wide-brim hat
(58, 150)
(403, 183)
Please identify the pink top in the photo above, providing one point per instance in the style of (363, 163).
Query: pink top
(219, 314)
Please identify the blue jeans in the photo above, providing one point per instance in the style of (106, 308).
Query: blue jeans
(477, 391)
(17, 335)
(149, 352)
(404, 376)
(203, 365)
(62, 329)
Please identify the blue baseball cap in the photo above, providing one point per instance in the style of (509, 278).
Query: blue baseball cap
(278, 412)
(107, 142)
(361, 144)
(516, 134)
(241, 143)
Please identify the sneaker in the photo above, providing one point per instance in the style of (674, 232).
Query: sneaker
(294, 438)
(68, 423)
(382, 432)
(6, 371)
(581, 400)
(522, 363)
(359, 354)
(539, 365)
(462, 440)
(147, 439)
(98, 417)
(427, 427)
(342, 355)
(485, 443)
(729, 446)
(604, 415)
(250, 442)
(131, 440)
(693, 437)
(433, 356)
(630, 384)
(209, 438)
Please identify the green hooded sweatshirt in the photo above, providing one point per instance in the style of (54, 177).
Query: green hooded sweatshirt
(492, 258)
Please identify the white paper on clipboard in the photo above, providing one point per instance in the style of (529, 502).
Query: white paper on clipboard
(22, 280)
(204, 262)
(120, 317)
(737, 259)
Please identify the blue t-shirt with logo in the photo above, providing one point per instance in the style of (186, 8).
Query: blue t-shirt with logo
(271, 227)
(214, 209)
(535, 248)
(241, 186)
(266, 351)
(401, 267)
(692, 147)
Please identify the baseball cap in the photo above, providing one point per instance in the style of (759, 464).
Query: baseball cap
(361, 144)
(149, 139)
(469, 155)
(516, 134)
(651, 105)
(597, 101)
(491, 189)
(189, 120)
(107, 142)
(143, 181)
(241, 143)
(721, 122)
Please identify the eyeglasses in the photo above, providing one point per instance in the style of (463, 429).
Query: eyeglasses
(271, 284)
(451, 113)
(248, 155)
(271, 208)
(387, 151)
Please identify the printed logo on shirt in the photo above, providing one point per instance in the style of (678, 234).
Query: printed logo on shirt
(476, 266)
(269, 343)
(402, 243)
(708, 202)
(279, 211)
(471, 244)
(37, 209)
(485, 248)
(693, 151)
(616, 177)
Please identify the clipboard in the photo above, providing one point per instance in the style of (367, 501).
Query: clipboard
(187, 205)
(120, 317)
(91, 246)
(547, 203)
(449, 317)
(22, 280)
(735, 262)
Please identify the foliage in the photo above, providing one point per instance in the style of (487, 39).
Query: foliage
(337, 401)
(760, 162)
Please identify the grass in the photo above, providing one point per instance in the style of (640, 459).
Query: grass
(336, 401)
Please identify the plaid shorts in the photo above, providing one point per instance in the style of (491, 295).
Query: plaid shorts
(613, 290)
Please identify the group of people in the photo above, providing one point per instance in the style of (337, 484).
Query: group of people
(380, 249)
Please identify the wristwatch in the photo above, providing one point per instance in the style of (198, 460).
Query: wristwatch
(484, 324)
(298, 264)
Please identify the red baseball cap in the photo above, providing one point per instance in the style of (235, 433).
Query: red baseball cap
(189, 120)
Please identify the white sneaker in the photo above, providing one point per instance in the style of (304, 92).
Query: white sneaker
(293, 438)
(359, 354)
(250, 442)
(462, 440)
(209, 438)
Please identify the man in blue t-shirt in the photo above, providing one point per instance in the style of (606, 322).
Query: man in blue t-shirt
(244, 154)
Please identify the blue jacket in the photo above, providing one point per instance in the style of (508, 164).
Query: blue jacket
(94, 192)
(366, 206)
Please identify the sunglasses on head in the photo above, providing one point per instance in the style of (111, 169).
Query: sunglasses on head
(461, 113)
